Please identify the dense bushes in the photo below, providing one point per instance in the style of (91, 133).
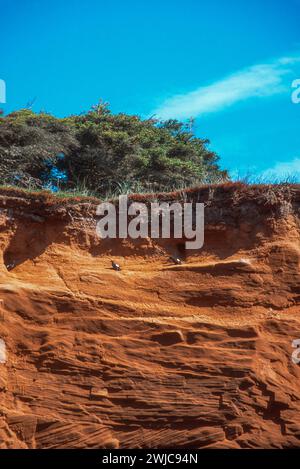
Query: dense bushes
(102, 152)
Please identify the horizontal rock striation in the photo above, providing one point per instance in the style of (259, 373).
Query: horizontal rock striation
(197, 355)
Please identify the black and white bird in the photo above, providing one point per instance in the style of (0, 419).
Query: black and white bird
(176, 260)
(115, 266)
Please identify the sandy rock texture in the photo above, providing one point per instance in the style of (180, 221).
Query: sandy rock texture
(197, 355)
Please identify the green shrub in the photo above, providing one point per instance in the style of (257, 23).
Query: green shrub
(103, 152)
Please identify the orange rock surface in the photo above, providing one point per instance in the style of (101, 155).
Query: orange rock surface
(197, 355)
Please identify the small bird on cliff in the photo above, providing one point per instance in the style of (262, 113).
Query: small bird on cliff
(115, 266)
(175, 260)
(10, 266)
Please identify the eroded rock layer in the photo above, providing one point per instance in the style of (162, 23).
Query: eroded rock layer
(195, 355)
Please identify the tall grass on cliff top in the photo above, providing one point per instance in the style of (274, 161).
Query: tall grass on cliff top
(102, 153)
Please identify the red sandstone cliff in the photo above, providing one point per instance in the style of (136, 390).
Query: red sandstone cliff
(197, 355)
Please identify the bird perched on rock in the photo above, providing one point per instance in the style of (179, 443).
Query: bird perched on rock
(115, 266)
(11, 266)
(176, 260)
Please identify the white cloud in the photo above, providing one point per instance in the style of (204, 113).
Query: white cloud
(257, 81)
(281, 171)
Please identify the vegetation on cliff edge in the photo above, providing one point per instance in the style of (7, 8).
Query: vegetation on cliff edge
(102, 153)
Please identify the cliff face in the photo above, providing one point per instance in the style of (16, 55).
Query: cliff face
(157, 355)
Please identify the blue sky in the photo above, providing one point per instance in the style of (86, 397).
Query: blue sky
(229, 64)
